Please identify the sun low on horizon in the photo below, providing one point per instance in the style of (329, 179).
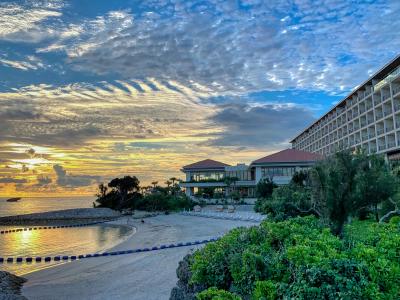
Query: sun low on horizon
(93, 90)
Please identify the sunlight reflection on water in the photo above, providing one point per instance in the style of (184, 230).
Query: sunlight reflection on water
(52, 242)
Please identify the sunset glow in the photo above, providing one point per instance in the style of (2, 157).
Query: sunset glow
(91, 92)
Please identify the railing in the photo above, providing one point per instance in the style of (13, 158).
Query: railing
(391, 144)
(388, 78)
(371, 135)
(385, 97)
(396, 106)
(378, 116)
(396, 90)
(381, 147)
(387, 112)
(379, 131)
(389, 128)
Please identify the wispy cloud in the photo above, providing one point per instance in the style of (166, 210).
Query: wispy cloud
(24, 22)
(30, 63)
(238, 47)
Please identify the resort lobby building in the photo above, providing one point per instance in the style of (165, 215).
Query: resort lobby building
(210, 177)
(368, 118)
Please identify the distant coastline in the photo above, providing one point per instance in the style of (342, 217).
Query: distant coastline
(76, 215)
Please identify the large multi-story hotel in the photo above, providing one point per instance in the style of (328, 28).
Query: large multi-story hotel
(369, 118)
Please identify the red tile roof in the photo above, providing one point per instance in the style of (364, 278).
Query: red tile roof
(289, 155)
(206, 164)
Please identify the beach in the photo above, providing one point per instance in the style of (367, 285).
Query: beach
(146, 275)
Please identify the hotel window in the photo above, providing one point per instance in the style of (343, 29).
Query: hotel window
(278, 171)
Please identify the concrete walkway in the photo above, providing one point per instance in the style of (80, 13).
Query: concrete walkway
(147, 275)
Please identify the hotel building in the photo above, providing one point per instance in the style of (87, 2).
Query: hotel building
(206, 175)
(368, 118)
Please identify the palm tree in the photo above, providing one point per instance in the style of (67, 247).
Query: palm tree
(154, 183)
(168, 183)
(173, 179)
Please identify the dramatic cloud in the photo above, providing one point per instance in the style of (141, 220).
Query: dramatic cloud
(233, 46)
(266, 126)
(67, 180)
(143, 87)
(23, 23)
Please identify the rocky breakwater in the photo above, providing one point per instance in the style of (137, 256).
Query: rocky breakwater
(10, 286)
(67, 216)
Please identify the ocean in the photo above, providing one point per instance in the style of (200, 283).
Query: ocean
(53, 242)
(42, 204)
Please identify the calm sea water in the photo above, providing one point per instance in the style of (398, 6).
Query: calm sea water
(52, 242)
(35, 205)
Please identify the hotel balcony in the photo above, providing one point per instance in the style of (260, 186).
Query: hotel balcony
(385, 97)
(389, 127)
(391, 144)
(378, 115)
(377, 99)
(381, 147)
(396, 90)
(387, 110)
(214, 183)
(379, 131)
(396, 105)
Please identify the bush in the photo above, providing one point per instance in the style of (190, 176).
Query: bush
(215, 294)
(300, 259)
(286, 202)
(164, 202)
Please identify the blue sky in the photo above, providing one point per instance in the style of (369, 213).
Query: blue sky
(106, 84)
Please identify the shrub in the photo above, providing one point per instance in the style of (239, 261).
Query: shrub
(265, 290)
(300, 259)
(215, 294)
(286, 202)
(164, 202)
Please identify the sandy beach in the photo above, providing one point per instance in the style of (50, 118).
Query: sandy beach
(149, 275)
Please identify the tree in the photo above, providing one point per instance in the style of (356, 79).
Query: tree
(335, 181)
(265, 188)
(300, 178)
(168, 183)
(375, 183)
(123, 186)
(229, 181)
(102, 190)
(173, 180)
(154, 183)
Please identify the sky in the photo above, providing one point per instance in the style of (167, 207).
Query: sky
(92, 90)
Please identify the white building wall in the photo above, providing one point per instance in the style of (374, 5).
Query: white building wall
(369, 120)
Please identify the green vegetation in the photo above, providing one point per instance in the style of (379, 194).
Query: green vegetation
(332, 233)
(343, 187)
(301, 259)
(126, 193)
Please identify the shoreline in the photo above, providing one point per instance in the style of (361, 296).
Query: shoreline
(90, 278)
(78, 215)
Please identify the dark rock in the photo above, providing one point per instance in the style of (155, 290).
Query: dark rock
(10, 286)
(184, 290)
